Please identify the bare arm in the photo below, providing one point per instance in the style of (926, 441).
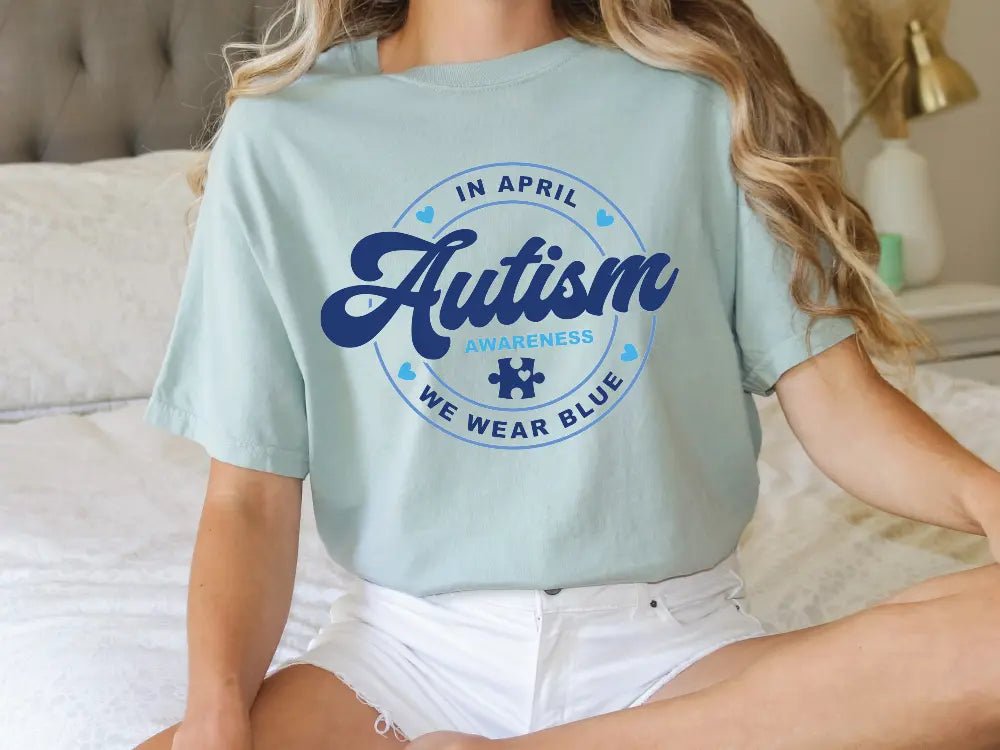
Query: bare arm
(240, 592)
(878, 445)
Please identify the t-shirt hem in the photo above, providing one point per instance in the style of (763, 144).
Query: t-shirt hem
(223, 447)
(790, 352)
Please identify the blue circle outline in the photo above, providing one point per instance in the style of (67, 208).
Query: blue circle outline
(652, 332)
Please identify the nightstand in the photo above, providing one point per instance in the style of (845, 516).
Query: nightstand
(964, 321)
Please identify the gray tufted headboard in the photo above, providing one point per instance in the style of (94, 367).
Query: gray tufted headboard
(93, 79)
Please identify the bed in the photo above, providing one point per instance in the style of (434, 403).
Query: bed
(98, 510)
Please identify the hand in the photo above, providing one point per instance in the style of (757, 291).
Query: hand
(449, 741)
(231, 733)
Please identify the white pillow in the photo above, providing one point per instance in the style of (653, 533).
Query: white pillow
(92, 257)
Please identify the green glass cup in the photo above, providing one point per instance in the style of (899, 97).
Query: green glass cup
(890, 266)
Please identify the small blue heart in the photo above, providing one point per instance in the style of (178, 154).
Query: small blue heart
(406, 372)
(631, 354)
(604, 219)
(426, 214)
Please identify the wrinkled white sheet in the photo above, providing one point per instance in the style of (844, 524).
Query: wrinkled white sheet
(97, 521)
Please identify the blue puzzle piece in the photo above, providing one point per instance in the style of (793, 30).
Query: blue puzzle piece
(521, 377)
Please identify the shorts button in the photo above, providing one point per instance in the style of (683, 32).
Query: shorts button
(552, 592)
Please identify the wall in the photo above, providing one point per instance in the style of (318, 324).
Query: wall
(963, 146)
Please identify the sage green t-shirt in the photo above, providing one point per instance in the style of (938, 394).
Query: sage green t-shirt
(507, 315)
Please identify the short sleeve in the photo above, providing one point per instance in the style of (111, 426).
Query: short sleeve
(230, 380)
(770, 328)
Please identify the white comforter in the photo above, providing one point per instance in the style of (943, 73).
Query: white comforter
(98, 519)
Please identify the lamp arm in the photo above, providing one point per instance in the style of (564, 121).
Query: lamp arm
(879, 89)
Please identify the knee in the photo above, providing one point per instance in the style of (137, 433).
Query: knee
(970, 636)
(958, 629)
(980, 610)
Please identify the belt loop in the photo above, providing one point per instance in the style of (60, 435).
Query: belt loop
(642, 595)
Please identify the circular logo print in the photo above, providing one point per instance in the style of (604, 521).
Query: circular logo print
(511, 305)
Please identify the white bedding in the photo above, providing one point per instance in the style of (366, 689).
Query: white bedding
(92, 257)
(98, 519)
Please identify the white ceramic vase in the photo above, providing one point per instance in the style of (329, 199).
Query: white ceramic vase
(900, 199)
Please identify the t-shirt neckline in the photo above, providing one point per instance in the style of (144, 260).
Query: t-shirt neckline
(477, 74)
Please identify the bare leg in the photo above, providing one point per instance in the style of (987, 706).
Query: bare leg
(921, 670)
(306, 708)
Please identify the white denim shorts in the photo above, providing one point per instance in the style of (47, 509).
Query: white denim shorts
(502, 663)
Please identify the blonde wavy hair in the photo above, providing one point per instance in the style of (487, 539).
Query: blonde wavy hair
(785, 149)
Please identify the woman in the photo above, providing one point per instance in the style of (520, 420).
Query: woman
(501, 277)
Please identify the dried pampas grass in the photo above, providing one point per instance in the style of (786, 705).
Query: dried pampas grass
(872, 36)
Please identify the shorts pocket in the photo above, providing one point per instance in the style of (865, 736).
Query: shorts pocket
(738, 598)
(686, 604)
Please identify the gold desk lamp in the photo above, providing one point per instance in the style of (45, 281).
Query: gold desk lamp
(934, 81)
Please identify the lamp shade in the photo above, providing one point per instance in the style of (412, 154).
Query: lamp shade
(935, 82)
